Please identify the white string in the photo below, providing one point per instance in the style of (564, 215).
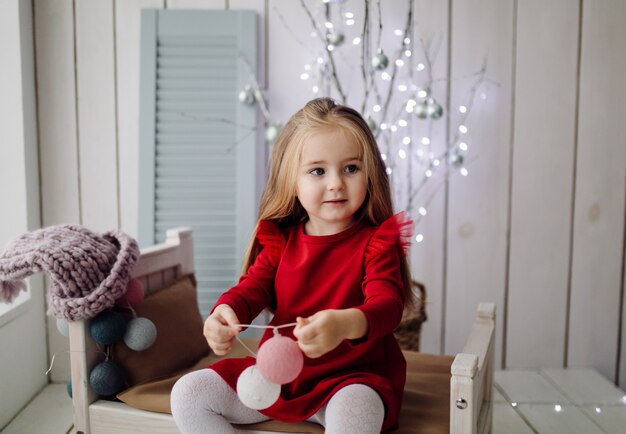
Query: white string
(260, 327)
(51, 363)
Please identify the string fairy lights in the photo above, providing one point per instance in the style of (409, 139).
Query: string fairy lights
(397, 94)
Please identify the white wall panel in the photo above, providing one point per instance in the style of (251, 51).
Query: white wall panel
(600, 189)
(58, 136)
(428, 257)
(97, 117)
(543, 161)
(478, 203)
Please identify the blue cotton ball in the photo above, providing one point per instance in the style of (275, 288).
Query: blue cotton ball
(108, 327)
(140, 334)
(107, 378)
(63, 327)
(69, 387)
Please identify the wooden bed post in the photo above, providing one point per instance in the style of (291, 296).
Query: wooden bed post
(472, 374)
(83, 355)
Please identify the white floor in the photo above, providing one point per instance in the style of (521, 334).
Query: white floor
(571, 401)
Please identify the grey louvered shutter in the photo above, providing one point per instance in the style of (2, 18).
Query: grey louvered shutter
(197, 149)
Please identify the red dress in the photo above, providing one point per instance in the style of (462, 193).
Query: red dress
(298, 275)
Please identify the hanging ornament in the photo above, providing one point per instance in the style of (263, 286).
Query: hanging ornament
(335, 38)
(108, 327)
(421, 110)
(134, 295)
(247, 96)
(107, 378)
(255, 391)
(140, 334)
(380, 61)
(280, 359)
(434, 109)
(271, 133)
(455, 159)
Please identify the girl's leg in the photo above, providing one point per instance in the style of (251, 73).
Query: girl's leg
(202, 402)
(356, 408)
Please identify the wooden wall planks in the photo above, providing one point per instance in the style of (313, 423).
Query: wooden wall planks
(547, 183)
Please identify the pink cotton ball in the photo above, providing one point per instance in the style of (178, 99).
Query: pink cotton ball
(134, 295)
(255, 391)
(280, 360)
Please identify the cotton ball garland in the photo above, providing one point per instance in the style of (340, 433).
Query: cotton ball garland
(140, 334)
(280, 360)
(134, 295)
(108, 327)
(107, 378)
(255, 391)
(63, 327)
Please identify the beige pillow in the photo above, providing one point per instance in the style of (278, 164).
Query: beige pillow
(179, 343)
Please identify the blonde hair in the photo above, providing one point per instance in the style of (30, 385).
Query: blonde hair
(279, 203)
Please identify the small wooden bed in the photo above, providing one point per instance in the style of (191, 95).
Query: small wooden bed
(453, 391)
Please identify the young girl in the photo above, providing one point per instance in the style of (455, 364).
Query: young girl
(329, 255)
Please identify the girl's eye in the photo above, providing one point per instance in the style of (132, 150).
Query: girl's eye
(352, 168)
(317, 172)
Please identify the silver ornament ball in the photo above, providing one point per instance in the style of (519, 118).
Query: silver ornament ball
(247, 96)
(421, 110)
(434, 110)
(271, 133)
(335, 39)
(380, 61)
(456, 159)
(372, 124)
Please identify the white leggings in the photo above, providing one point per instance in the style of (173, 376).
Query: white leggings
(202, 402)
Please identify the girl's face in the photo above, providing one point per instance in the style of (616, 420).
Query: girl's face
(331, 184)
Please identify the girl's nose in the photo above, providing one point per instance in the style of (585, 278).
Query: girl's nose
(335, 182)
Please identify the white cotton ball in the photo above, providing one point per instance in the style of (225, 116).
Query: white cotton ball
(63, 327)
(140, 334)
(255, 391)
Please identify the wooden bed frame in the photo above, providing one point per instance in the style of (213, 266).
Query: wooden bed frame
(160, 265)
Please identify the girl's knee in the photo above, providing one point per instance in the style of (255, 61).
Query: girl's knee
(355, 408)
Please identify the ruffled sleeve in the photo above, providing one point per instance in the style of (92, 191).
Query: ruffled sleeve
(396, 231)
(271, 238)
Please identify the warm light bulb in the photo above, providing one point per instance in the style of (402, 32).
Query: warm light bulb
(419, 238)
(462, 129)
(393, 128)
(464, 171)
(463, 146)
(428, 173)
(388, 170)
(425, 141)
(402, 87)
(420, 67)
(376, 108)
(398, 32)
(422, 94)
(403, 123)
(328, 25)
(385, 76)
(558, 408)
(407, 53)
(356, 41)
(422, 210)
(406, 140)
(349, 22)
(462, 109)
(384, 157)
(400, 62)
(304, 76)
(402, 154)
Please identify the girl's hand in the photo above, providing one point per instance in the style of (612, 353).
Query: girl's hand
(324, 331)
(219, 329)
